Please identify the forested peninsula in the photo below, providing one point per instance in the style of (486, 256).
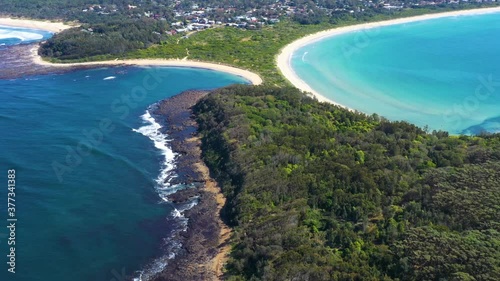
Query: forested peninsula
(317, 192)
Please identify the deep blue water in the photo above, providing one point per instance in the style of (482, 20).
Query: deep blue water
(444, 73)
(87, 199)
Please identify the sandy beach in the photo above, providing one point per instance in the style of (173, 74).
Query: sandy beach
(250, 76)
(35, 24)
(283, 60)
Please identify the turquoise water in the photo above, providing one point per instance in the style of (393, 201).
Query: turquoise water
(443, 73)
(13, 35)
(87, 199)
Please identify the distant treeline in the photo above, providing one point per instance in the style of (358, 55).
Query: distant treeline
(71, 10)
(316, 192)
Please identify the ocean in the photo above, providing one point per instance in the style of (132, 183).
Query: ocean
(440, 73)
(92, 170)
(12, 35)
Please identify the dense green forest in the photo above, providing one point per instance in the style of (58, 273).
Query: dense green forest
(71, 10)
(110, 38)
(316, 192)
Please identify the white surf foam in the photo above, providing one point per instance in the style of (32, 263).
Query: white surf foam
(152, 130)
(165, 187)
(21, 35)
(304, 56)
(109, 78)
(176, 213)
(171, 246)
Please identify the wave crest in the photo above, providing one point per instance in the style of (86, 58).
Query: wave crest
(23, 36)
(165, 187)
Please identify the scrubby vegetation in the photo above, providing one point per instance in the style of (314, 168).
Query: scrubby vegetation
(316, 192)
(249, 49)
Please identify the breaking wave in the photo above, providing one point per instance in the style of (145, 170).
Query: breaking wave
(165, 187)
(17, 36)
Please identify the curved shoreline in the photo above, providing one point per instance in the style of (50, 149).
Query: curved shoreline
(35, 24)
(254, 78)
(283, 59)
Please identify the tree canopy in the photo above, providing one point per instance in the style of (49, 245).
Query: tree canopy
(316, 192)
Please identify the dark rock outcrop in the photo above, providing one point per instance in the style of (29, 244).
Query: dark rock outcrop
(202, 240)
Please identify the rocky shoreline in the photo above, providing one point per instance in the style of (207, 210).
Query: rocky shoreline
(205, 243)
